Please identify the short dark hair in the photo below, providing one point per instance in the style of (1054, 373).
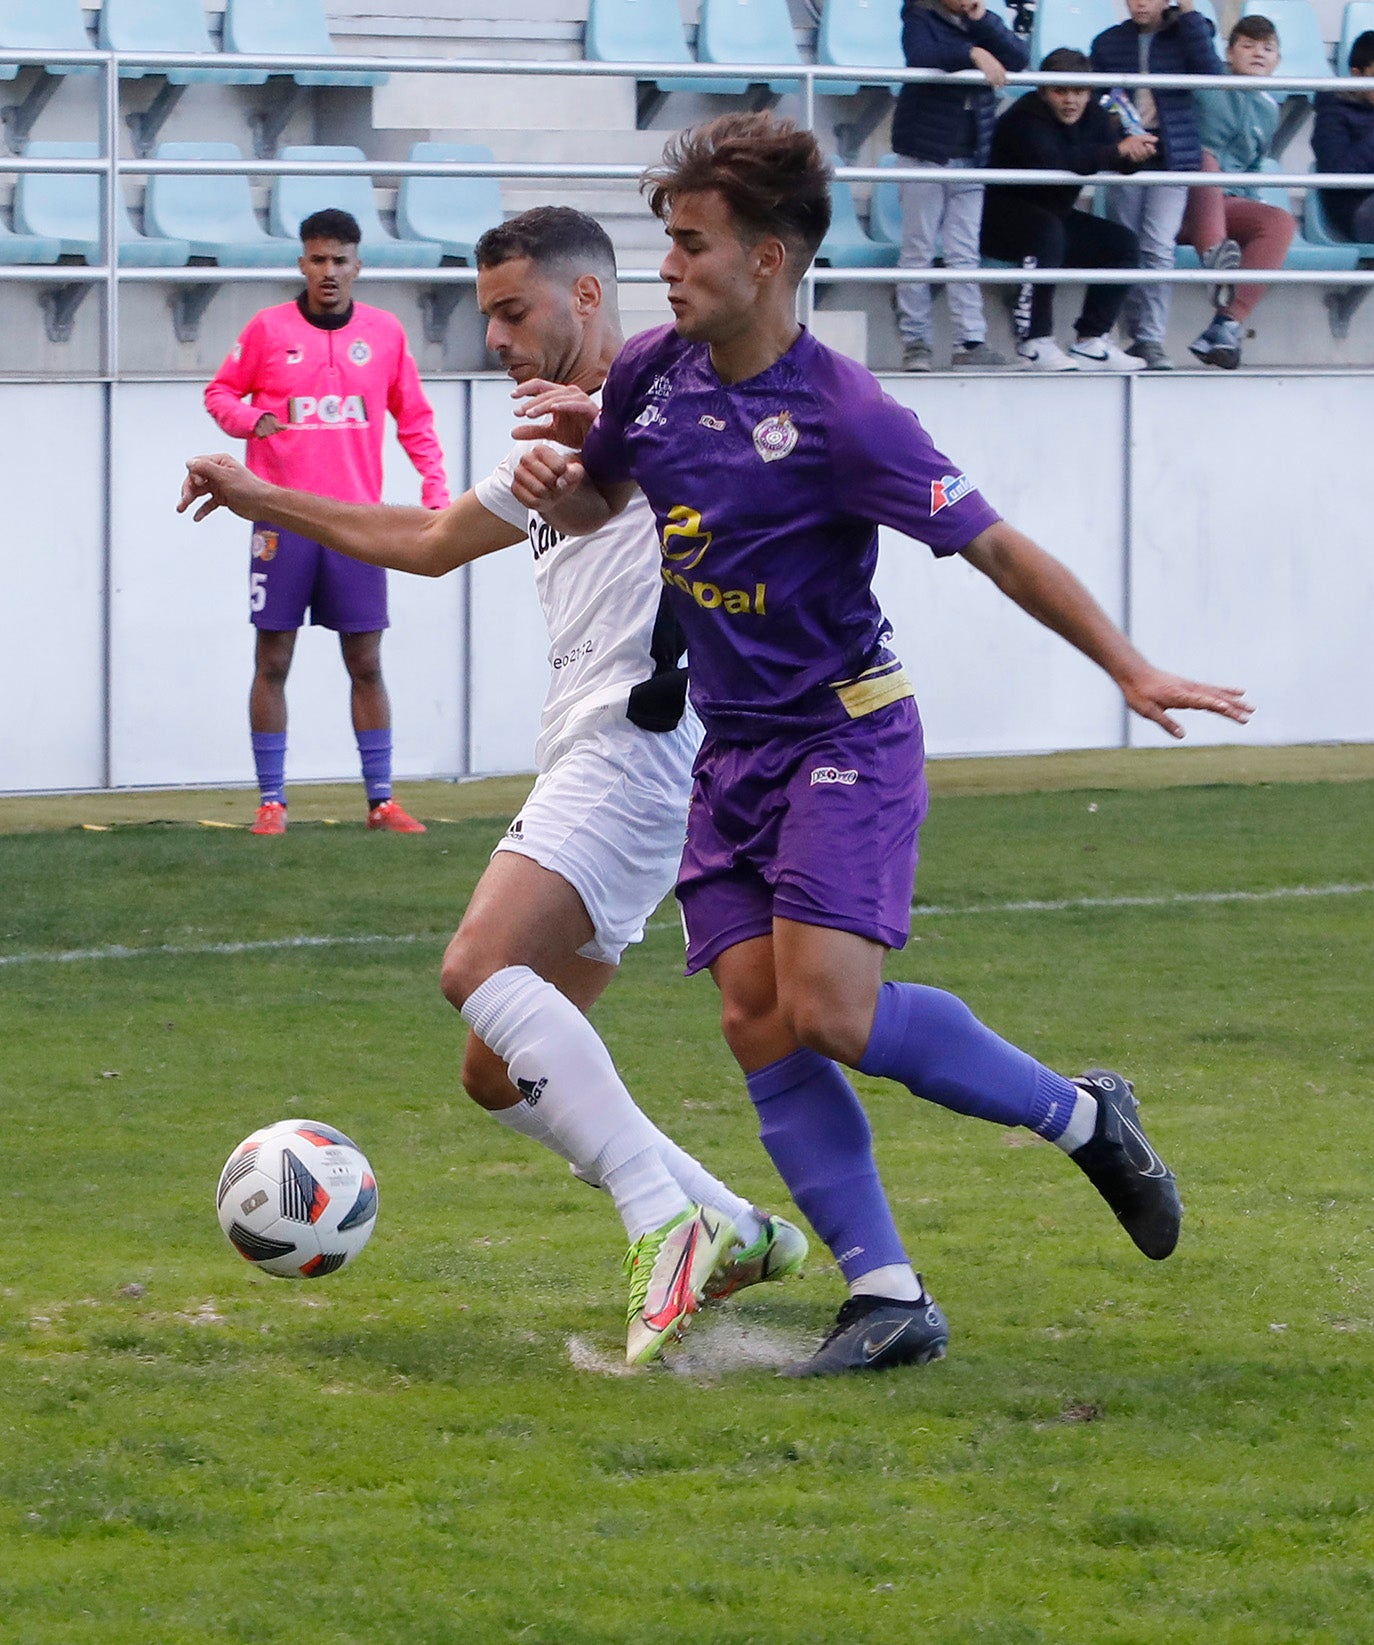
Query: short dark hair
(548, 235)
(770, 172)
(1253, 27)
(1362, 52)
(1065, 60)
(331, 224)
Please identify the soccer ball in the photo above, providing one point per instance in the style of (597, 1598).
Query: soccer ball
(297, 1199)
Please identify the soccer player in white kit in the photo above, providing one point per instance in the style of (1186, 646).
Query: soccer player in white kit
(596, 846)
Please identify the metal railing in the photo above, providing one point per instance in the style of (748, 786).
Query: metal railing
(112, 167)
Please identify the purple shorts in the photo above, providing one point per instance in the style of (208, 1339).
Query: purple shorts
(819, 829)
(290, 574)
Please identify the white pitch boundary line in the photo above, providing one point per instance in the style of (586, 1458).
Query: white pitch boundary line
(1062, 905)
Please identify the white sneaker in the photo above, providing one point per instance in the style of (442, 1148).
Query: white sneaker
(1043, 354)
(1101, 354)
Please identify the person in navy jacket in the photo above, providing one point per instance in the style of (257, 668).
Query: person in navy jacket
(1159, 38)
(1343, 140)
(942, 126)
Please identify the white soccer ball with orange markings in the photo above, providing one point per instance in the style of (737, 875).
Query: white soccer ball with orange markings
(297, 1199)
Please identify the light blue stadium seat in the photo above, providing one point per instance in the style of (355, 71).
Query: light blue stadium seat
(295, 198)
(43, 25)
(454, 212)
(1300, 36)
(66, 208)
(638, 31)
(272, 28)
(1319, 230)
(1075, 23)
(885, 208)
(27, 248)
(168, 25)
(860, 34)
(746, 31)
(1358, 16)
(846, 245)
(214, 214)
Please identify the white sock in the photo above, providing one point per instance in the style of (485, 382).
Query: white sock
(1082, 1124)
(569, 1084)
(703, 1189)
(897, 1280)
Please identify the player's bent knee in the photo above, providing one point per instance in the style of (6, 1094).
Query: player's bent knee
(830, 1028)
(463, 972)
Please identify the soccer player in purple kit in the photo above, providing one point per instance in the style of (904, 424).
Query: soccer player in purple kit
(769, 462)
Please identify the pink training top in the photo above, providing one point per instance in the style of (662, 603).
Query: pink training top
(330, 387)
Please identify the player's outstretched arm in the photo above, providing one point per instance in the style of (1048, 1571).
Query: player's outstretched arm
(1050, 593)
(419, 540)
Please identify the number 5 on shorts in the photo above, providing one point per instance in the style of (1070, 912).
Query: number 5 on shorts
(257, 590)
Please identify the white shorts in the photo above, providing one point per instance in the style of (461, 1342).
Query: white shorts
(609, 816)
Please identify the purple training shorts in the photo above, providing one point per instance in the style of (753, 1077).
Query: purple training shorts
(290, 573)
(819, 829)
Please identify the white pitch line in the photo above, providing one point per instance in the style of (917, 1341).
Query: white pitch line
(1062, 905)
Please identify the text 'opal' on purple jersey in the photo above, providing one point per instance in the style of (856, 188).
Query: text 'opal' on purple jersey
(768, 496)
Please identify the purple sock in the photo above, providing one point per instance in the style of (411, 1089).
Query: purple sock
(269, 759)
(816, 1133)
(374, 749)
(937, 1048)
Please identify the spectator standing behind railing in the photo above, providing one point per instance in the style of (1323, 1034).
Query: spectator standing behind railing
(1158, 39)
(1062, 128)
(1343, 140)
(1237, 129)
(942, 126)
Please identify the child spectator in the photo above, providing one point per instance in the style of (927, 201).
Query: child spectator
(1063, 128)
(1343, 140)
(942, 126)
(1158, 39)
(1237, 128)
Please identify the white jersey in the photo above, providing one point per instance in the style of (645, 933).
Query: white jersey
(600, 596)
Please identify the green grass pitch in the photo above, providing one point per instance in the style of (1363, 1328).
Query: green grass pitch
(432, 1447)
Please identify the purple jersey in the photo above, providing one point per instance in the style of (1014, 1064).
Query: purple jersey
(768, 496)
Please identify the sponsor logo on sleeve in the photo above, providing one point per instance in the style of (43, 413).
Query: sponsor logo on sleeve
(948, 490)
(359, 352)
(832, 774)
(264, 545)
(775, 437)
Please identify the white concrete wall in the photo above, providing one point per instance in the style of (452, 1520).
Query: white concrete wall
(1223, 520)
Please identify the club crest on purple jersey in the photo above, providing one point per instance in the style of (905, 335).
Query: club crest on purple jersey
(775, 437)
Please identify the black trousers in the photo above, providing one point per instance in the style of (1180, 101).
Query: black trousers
(1015, 230)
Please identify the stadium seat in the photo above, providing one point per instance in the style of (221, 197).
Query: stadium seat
(846, 245)
(885, 208)
(639, 31)
(860, 34)
(275, 28)
(454, 212)
(1300, 36)
(294, 198)
(1357, 17)
(66, 207)
(43, 25)
(167, 25)
(742, 32)
(214, 214)
(27, 248)
(1075, 23)
(1319, 230)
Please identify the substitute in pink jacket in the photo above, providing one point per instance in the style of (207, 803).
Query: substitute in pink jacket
(308, 386)
(329, 385)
